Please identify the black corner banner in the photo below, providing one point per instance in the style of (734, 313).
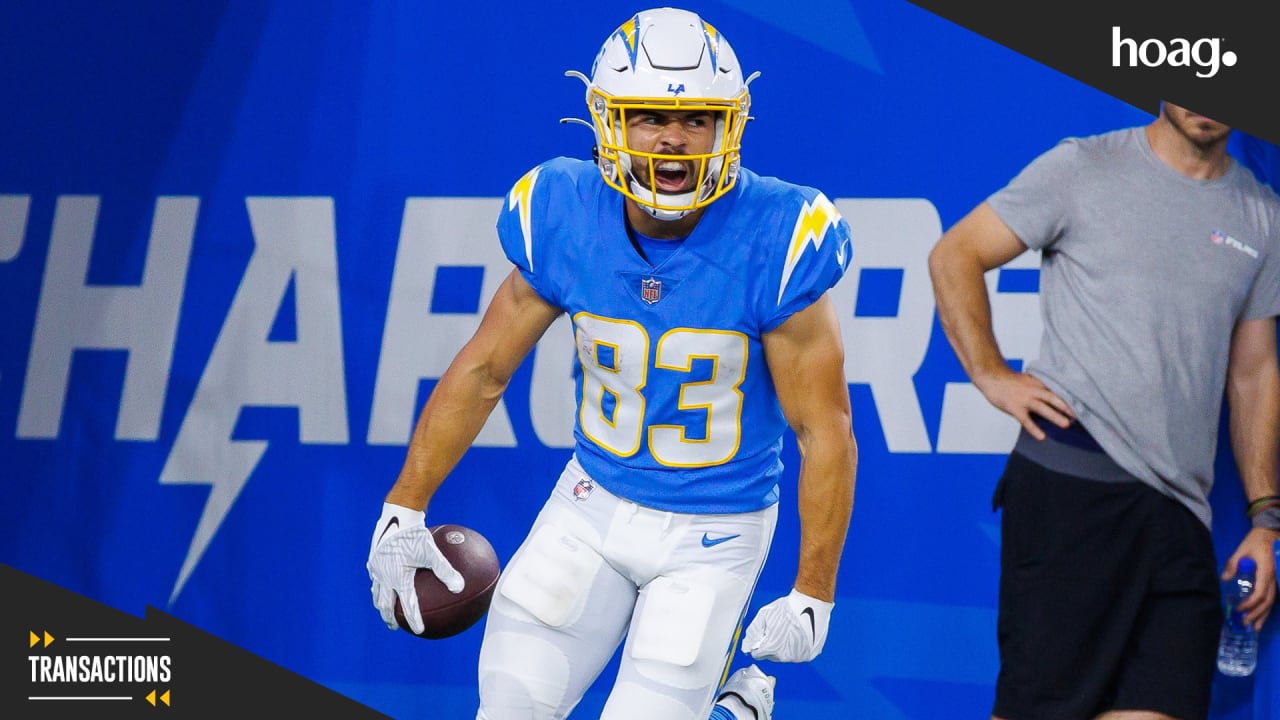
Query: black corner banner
(67, 656)
(1220, 59)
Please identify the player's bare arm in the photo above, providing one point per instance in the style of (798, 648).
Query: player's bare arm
(468, 391)
(806, 361)
(1253, 396)
(979, 242)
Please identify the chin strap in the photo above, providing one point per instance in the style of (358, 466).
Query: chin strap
(663, 214)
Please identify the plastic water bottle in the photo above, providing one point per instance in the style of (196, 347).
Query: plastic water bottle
(1238, 646)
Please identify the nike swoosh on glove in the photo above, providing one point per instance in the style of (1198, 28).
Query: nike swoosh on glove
(401, 544)
(789, 629)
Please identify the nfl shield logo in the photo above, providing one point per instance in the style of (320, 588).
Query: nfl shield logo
(583, 488)
(651, 290)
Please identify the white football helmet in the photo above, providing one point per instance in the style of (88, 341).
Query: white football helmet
(667, 60)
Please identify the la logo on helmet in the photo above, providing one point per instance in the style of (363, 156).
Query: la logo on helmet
(675, 89)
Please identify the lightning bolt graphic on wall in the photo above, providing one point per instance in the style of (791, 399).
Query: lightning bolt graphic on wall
(294, 242)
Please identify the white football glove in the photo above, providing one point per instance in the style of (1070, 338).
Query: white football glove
(789, 629)
(401, 544)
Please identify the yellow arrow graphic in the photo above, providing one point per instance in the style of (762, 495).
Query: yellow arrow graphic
(47, 638)
(151, 698)
(36, 638)
(165, 697)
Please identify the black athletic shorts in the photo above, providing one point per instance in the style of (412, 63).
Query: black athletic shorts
(1109, 599)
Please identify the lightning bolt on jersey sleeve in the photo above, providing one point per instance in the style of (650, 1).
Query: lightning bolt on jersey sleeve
(813, 258)
(526, 219)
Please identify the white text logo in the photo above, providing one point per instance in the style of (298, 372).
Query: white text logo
(1205, 53)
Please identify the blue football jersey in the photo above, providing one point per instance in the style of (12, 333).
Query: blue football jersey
(676, 407)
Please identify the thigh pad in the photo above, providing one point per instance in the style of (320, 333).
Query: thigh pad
(551, 576)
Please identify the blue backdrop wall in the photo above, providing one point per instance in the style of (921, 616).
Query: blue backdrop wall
(239, 241)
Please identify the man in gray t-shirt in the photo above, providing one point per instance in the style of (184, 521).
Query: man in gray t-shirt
(1159, 287)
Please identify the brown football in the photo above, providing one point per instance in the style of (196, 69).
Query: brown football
(443, 613)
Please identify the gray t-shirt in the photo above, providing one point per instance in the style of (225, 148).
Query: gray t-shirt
(1144, 274)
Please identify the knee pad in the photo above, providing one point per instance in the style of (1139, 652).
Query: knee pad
(521, 677)
(551, 576)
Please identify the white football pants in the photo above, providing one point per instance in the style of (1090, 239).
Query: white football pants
(595, 568)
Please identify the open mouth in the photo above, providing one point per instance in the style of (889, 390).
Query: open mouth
(671, 176)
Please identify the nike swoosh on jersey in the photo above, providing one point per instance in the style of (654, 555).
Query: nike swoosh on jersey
(813, 626)
(712, 542)
(393, 521)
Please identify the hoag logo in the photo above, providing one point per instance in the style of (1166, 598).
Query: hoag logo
(1205, 53)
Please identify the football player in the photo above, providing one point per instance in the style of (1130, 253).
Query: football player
(697, 291)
